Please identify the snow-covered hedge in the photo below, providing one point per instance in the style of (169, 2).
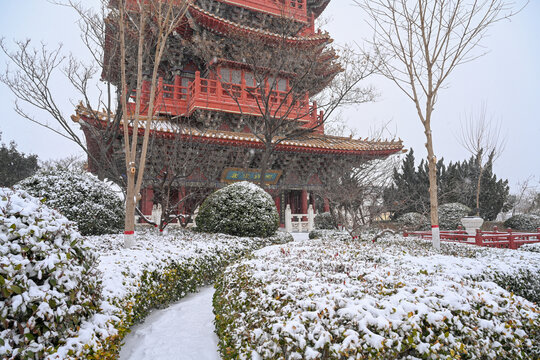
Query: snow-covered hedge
(158, 270)
(523, 222)
(241, 209)
(450, 215)
(413, 221)
(329, 235)
(393, 299)
(48, 279)
(81, 197)
(325, 221)
(531, 247)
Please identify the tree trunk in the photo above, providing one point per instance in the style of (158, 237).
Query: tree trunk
(129, 224)
(264, 164)
(433, 200)
(478, 187)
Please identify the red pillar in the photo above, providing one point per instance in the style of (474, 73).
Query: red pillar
(304, 202)
(181, 195)
(326, 205)
(147, 198)
(277, 201)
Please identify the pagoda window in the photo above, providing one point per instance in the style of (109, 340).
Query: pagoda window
(280, 84)
(231, 76)
(250, 79)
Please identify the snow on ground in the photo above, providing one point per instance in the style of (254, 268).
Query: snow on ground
(300, 236)
(122, 269)
(184, 331)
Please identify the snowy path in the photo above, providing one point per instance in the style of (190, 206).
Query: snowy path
(300, 236)
(183, 331)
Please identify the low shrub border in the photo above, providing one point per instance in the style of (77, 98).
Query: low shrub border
(163, 269)
(324, 299)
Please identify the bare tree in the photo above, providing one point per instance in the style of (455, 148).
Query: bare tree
(482, 137)
(355, 190)
(355, 195)
(280, 74)
(419, 44)
(135, 33)
(135, 20)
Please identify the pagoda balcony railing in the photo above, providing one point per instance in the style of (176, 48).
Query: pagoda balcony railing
(289, 8)
(296, 9)
(205, 94)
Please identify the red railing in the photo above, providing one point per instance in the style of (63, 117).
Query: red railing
(177, 100)
(497, 239)
(290, 8)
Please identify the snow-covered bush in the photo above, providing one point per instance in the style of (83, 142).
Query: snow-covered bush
(523, 222)
(281, 237)
(393, 299)
(241, 209)
(158, 270)
(450, 215)
(329, 234)
(413, 221)
(531, 247)
(325, 221)
(48, 282)
(81, 197)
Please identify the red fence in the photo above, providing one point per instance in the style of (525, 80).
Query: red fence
(498, 239)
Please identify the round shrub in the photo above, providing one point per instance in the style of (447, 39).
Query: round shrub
(240, 209)
(413, 221)
(47, 278)
(523, 222)
(81, 197)
(450, 215)
(325, 221)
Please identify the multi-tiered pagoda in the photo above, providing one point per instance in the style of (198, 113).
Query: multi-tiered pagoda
(209, 90)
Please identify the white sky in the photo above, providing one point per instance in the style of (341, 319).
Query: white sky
(507, 80)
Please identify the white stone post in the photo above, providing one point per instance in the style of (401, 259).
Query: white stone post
(310, 218)
(288, 219)
(156, 214)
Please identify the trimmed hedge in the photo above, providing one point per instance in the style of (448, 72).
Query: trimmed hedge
(167, 279)
(48, 279)
(413, 221)
(81, 197)
(450, 215)
(325, 221)
(240, 209)
(523, 222)
(360, 300)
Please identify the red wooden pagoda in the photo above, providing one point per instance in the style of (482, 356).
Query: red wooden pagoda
(203, 101)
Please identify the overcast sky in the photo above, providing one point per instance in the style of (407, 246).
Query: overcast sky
(507, 80)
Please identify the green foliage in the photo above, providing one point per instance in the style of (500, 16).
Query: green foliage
(450, 215)
(410, 191)
(325, 221)
(457, 183)
(413, 221)
(525, 283)
(523, 222)
(329, 234)
(79, 196)
(14, 165)
(48, 279)
(241, 209)
(359, 300)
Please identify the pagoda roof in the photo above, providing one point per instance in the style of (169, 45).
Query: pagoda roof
(311, 143)
(223, 26)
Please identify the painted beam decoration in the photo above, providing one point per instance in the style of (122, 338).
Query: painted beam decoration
(231, 175)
